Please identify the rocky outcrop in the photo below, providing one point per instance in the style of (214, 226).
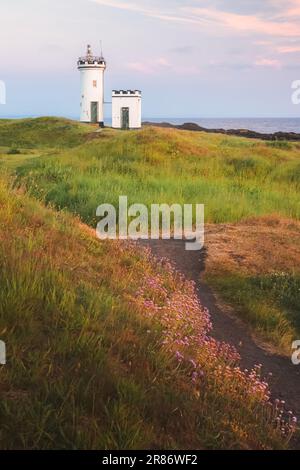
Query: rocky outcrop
(190, 126)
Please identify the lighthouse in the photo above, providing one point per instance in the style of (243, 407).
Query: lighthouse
(92, 70)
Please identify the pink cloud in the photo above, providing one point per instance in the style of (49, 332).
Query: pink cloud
(140, 67)
(280, 25)
(293, 8)
(150, 67)
(163, 62)
(263, 43)
(153, 13)
(248, 23)
(288, 49)
(264, 62)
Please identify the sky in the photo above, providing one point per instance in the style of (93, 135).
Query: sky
(190, 58)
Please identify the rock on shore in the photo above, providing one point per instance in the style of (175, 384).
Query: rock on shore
(190, 126)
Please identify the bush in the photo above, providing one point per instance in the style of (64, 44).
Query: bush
(14, 151)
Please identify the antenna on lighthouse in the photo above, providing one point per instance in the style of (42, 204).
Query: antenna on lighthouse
(101, 50)
(89, 51)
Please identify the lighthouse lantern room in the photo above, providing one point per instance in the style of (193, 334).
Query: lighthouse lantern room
(92, 70)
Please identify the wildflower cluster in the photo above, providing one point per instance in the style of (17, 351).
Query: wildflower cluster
(166, 296)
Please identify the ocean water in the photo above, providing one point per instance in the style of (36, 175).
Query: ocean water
(262, 125)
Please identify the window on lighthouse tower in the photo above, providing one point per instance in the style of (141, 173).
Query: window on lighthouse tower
(95, 83)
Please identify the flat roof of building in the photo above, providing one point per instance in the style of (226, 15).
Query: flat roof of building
(126, 92)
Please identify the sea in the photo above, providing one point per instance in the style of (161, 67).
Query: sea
(262, 125)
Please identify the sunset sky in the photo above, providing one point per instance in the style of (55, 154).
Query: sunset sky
(191, 58)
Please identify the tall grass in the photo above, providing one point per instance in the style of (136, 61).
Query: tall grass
(91, 348)
(96, 356)
(269, 303)
(41, 132)
(234, 178)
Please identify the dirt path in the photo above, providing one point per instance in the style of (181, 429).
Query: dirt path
(285, 380)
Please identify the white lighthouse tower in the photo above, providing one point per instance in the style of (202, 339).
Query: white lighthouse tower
(92, 70)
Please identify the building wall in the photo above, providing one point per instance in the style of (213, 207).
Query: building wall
(92, 90)
(131, 101)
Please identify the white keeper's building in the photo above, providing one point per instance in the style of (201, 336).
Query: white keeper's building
(126, 109)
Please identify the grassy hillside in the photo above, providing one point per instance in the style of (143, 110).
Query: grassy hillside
(235, 178)
(41, 132)
(100, 352)
(109, 348)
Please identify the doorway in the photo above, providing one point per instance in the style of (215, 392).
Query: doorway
(94, 111)
(125, 118)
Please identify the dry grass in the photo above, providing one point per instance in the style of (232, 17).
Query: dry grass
(85, 369)
(237, 179)
(254, 265)
(88, 367)
(255, 246)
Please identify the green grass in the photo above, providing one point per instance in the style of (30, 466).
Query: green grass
(269, 303)
(86, 367)
(11, 161)
(41, 132)
(235, 178)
